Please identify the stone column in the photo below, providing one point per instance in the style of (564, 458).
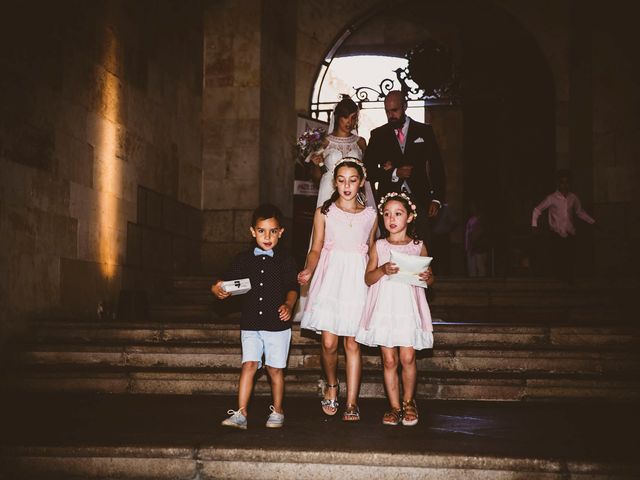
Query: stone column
(248, 119)
(581, 101)
(448, 125)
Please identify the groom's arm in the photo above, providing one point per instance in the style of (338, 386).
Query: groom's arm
(374, 159)
(437, 175)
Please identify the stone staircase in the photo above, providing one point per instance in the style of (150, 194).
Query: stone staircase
(485, 300)
(471, 361)
(192, 347)
(517, 342)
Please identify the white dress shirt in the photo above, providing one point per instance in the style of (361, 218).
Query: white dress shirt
(561, 212)
(394, 174)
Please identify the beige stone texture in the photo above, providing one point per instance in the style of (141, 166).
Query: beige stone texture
(224, 194)
(104, 466)
(241, 224)
(190, 185)
(217, 225)
(174, 216)
(74, 159)
(216, 257)
(232, 103)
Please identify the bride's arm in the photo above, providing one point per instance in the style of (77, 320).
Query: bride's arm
(362, 143)
(316, 159)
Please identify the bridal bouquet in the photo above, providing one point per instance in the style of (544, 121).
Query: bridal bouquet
(310, 141)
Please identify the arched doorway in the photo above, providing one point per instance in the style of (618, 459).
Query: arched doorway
(499, 142)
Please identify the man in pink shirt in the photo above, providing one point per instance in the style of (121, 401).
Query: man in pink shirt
(563, 206)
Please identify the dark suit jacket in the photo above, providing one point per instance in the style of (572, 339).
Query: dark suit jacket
(427, 181)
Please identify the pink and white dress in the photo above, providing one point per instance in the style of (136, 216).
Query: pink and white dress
(337, 293)
(395, 314)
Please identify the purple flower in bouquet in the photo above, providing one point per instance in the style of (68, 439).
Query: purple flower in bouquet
(310, 141)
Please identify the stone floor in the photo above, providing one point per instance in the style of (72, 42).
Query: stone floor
(598, 432)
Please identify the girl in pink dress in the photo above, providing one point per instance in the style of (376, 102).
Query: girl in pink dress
(396, 315)
(343, 231)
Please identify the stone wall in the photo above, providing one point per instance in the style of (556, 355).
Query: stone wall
(96, 99)
(615, 71)
(249, 121)
(231, 126)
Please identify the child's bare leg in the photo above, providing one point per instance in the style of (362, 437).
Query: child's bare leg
(409, 372)
(276, 375)
(354, 369)
(245, 387)
(329, 357)
(390, 363)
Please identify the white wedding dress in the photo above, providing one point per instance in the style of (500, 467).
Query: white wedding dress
(336, 150)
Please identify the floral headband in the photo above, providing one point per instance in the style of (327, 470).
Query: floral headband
(391, 195)
(352, 160)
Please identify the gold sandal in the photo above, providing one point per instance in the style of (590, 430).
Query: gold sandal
(330, 405)
(392, 417)
(351, 413)
(409, 413)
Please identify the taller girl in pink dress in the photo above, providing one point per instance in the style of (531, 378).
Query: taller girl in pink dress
(343, 231)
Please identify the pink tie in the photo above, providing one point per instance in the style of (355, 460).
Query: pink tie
(400, 135)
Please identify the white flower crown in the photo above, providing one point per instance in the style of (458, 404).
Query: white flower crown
(391, 195)
(352, 160)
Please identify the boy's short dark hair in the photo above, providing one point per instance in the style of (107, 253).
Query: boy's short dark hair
(563, 173)
(265, 211)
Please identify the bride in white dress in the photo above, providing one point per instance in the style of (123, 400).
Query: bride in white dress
(339, 143)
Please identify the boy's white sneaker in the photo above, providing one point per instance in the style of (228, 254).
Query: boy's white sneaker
(236, 420)
(275, 420)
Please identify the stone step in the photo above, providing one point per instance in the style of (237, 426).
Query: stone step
(445, 334)
(465, 284)
(439, 298)
(515, 386)
(208, 463)
(470, 295)
(55, 436)
(470, 361)
(594, 315)
(462, 359)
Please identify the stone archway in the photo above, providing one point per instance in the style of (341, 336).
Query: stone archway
(499, 144)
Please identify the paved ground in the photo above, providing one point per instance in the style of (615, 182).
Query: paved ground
(583, 431)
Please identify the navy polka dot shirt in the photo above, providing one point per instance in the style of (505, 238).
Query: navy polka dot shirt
(271, 279)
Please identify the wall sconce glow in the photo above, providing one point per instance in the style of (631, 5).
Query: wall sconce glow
(108, 176)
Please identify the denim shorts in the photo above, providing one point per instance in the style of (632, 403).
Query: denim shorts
(273, 345)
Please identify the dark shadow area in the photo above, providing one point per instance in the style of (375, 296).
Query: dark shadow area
(588, 430)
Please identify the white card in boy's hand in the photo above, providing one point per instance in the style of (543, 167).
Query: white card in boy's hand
(410, 266)
(237, 287)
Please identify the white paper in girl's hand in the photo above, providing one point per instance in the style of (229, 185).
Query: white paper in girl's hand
(410, 267)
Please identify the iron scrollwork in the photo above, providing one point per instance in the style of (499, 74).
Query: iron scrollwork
(432, 71)
(362, 93)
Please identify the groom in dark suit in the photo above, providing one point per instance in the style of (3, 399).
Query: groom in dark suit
(403, 156)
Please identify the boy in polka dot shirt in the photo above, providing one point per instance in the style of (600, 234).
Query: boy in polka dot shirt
(265, 324)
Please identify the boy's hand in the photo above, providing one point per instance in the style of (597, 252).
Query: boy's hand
(285, 312)
(427, 276)
(304, 276)
(218, 291)
(389, 268)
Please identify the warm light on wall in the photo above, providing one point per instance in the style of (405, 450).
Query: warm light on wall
(108, 176)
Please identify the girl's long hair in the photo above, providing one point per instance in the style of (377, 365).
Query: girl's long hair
(334, 196)
(411, 227)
